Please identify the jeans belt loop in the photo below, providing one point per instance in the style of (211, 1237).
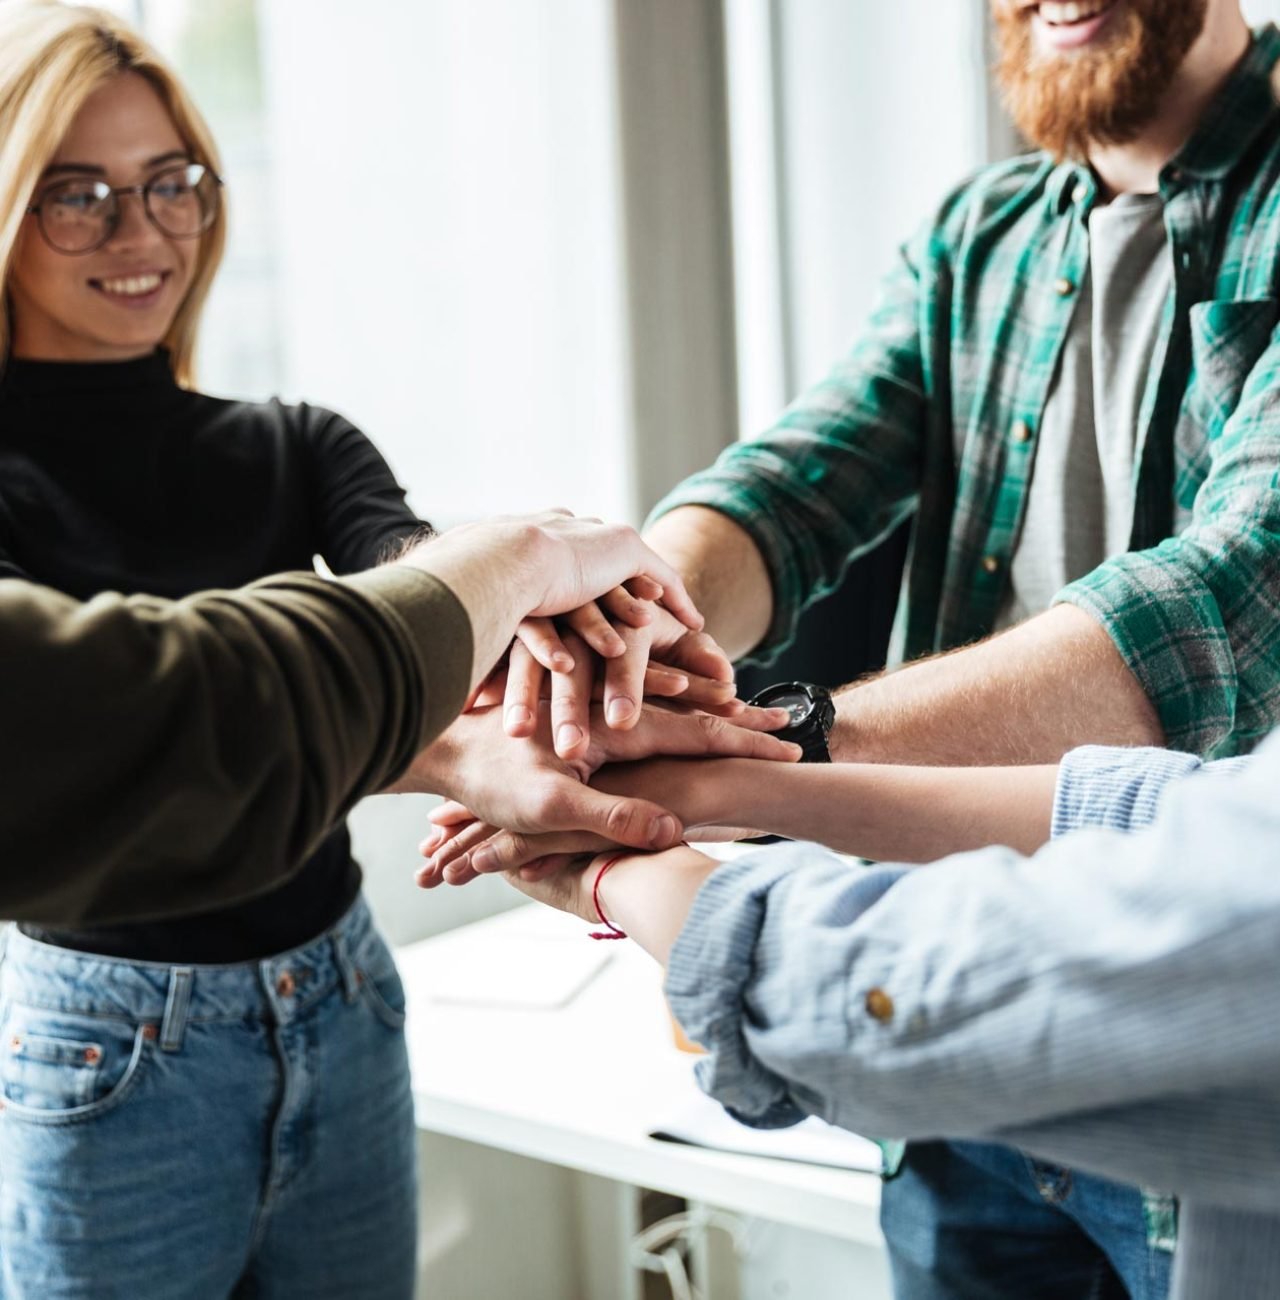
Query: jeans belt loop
(175, 1008)
(346, 967)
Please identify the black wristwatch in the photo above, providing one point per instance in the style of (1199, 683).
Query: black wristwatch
(813, 712)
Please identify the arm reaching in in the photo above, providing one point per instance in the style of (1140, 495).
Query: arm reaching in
(1071, 1003)
(206, 745)
(523, 784)
(1026, 695)
(885, 813)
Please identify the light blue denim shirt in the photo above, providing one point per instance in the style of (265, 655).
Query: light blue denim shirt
(1112, 1001)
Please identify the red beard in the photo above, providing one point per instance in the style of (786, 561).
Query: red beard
(1065, 100)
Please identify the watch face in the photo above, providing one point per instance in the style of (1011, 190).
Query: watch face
(797, 704)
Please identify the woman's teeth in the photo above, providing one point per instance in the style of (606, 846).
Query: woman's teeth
(133, 286)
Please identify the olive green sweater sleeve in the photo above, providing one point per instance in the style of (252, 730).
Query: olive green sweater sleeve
(163, 757)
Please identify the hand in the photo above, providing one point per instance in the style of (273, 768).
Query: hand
(505, 570)
(703, 795)
(650, 653)
(559, 562)
(658, 732)
(525, 785)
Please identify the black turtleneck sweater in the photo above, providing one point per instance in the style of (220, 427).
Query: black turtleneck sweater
(112, 478)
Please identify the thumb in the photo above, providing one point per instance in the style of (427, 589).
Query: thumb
(637, 823)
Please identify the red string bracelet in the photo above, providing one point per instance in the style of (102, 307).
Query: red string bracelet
(612, 932)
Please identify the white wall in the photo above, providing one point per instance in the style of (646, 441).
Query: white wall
(1261, 11)
(449, 241)
(883, 108)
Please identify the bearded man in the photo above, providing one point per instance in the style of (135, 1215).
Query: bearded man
(1070, 385)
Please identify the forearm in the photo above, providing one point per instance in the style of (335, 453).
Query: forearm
(724, 571)
(1025, 696)
(207, 745)
(890, 813)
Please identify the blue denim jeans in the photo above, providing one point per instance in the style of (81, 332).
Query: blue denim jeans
(972, 1221)
(192, 1133)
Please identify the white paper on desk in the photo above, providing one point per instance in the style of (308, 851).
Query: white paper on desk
(701, 1122)
(525, 972)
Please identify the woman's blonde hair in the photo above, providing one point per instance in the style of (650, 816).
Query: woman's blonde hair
(52, 58)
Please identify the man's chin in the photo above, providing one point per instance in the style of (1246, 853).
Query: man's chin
(1064, 95)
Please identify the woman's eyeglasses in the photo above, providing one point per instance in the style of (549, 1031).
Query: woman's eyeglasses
(80, 215)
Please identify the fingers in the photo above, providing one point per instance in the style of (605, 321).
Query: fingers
(451, 863)
(661, 681)
(524, 685)
(590, 623)
(755, 718)
(438, 848)
(698, 653)
(628, 608)
(675, 596)
(712, 694)
(637, 823)
(696, 735)
(539, 636)
(725, 739)
(571, 703)
(449, 813)
(511, 851)
(644, 588)
(624, 680)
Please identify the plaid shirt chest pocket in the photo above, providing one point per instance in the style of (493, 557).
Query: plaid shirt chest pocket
(60, 1064)
(1228, 338)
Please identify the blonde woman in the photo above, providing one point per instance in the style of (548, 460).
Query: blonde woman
(216, 1105)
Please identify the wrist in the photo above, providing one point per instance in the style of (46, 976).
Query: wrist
(851, 739)
(649, 895)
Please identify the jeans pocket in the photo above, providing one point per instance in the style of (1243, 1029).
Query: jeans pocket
(59, 1067)
(384, 996)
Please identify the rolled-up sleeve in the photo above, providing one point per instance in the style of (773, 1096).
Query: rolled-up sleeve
(1108, 985)
(1121, 789)
(734, 973)
(1195, 616)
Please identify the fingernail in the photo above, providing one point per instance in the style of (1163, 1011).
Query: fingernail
(482, 860)
(519, 716)
(562, 663)
(662, 832)
(620, 709)
(567, 736)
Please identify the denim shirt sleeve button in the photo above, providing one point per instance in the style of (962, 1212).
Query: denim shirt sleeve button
(879, 1005)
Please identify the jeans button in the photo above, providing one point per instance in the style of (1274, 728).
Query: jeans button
(286, 985)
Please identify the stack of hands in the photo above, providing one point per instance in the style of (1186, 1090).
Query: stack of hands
(582, 741)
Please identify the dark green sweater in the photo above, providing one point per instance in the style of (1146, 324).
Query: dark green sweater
(159, 758)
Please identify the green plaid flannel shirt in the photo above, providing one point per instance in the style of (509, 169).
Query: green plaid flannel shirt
(960, 353)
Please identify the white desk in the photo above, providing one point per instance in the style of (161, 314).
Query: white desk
(581, 1086)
